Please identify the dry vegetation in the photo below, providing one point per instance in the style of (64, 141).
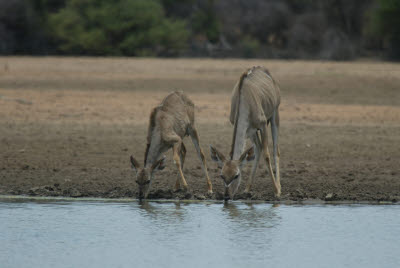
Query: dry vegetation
(68, 125)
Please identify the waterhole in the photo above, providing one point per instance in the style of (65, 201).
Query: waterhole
(174, 234)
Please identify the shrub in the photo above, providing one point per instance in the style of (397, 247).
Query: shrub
(336, 45)
(385, 24)
(304, 36)
(204, 21)
(249, 47)
(121, 27)
(20, 29)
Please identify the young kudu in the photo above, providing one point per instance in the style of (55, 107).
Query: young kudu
(255, 104)
(170, 122)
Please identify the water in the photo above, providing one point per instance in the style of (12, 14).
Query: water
(105, 234)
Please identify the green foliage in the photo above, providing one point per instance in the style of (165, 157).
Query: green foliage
(205, 21)
(385, 23)
(121, 27)
(250, 46)
(300, 28)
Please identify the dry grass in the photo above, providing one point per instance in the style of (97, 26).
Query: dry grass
(121, 90)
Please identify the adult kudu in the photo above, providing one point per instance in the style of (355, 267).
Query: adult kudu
(169, 123)
(255, 104)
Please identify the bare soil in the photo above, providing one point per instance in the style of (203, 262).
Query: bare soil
(68, 126)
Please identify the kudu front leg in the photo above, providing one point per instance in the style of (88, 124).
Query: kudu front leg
(182, 156)
(257, 152)
(196, 142)
(267, 157)
(275, 142)
(177, 161)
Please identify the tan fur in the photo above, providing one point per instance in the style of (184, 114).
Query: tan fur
(169, 123)
(174, 116)
(254, 103)
(261, 94)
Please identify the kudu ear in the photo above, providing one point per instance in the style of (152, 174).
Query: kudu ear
(135, 163)
(159, 165)
(217, 156)
(247, 155)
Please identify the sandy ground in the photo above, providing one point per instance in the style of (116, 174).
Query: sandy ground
(68, 126)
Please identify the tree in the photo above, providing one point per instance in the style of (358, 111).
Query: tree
(385, 23)
(20, 30)
(121, 27)
(204, 21)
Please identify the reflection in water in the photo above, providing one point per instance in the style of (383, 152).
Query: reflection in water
(251, 215)
(252, 226)
(174, 234)
(162, 213)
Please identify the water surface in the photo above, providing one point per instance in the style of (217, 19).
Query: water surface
(168, 234)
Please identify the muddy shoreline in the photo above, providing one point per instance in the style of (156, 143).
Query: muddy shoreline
(69, 125)
(310, 202)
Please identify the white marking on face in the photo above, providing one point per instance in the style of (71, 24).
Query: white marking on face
(236, 176)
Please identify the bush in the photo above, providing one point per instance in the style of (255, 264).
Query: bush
(332, 29)
(249, 47)
(304, 37)
(263, 20)
(337, 46)
(385, 24)
(121, 27)
(205, 25)
(20, 30)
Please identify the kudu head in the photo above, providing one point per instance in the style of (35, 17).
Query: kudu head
(231, 169)
(144, 175)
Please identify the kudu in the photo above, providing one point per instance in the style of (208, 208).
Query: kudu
(255, 104)
(169, 123)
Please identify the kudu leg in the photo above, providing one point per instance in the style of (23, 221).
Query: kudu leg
(264, 140)
(182, 156)
(257, 151)
(196, 142)
(177, 161)
(275, 142)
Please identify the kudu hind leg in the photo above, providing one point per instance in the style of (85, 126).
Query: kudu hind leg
(275, 142)
(196, 142)
(257, 150)
(264, 140)
(177, 161)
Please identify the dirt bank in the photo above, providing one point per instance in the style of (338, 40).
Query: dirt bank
(68, 126)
